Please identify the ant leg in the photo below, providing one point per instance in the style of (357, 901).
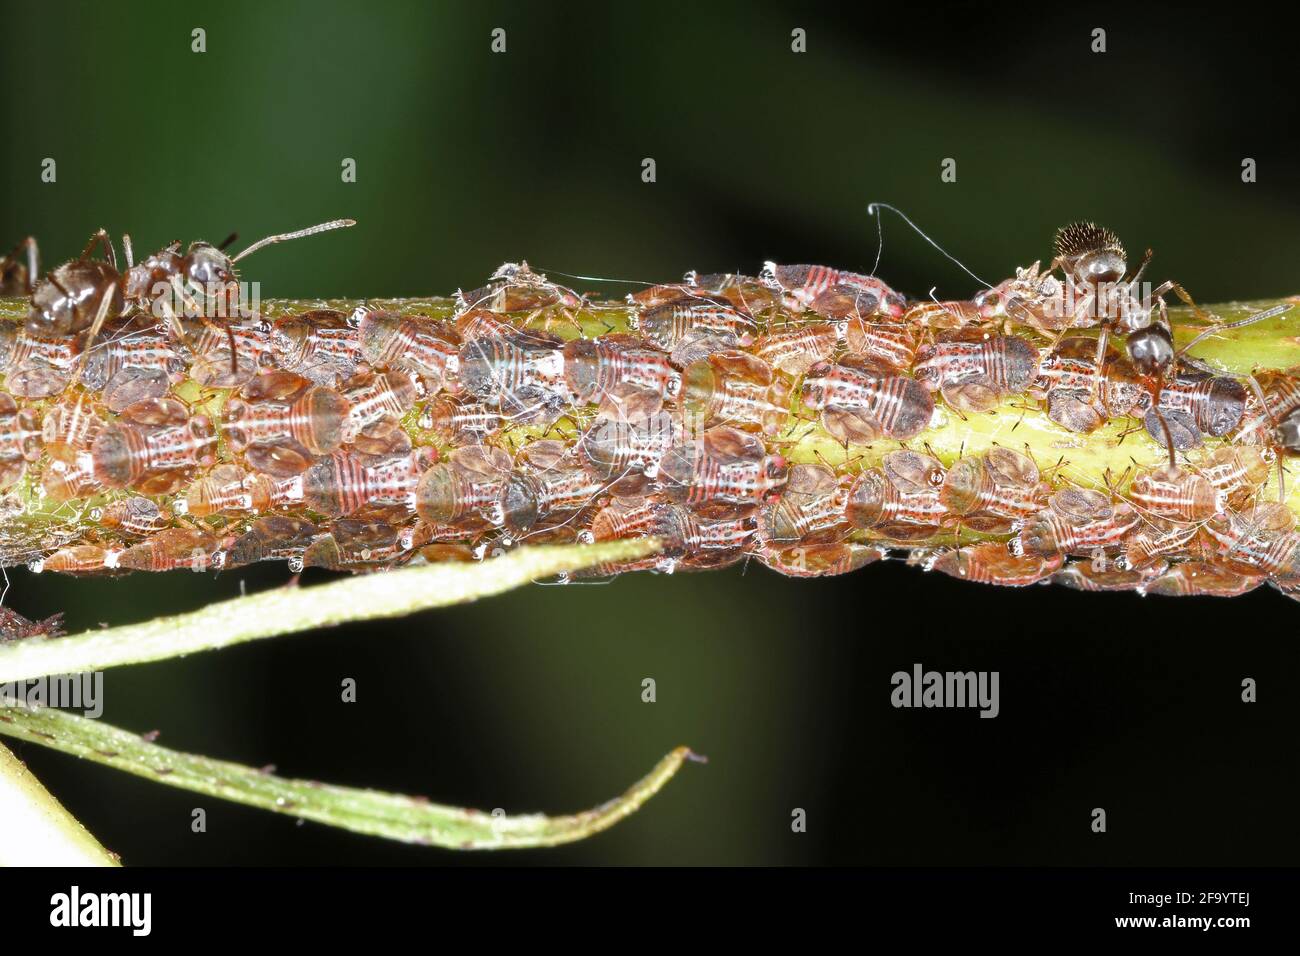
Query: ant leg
(1272, 420)
(1239, 323)
(1186, 297)
(105, 302)
(1102, 341)
(100, 236)
(33, 261)
(128, 251)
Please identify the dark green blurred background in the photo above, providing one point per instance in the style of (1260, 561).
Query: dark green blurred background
(531, 701)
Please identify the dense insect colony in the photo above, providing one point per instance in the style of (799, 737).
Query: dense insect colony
(522, 412)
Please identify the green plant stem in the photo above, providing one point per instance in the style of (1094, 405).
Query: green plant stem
(392, 816)
(293, 610)
(35, 829)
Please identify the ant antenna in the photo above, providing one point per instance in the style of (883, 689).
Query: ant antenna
(1248, 320)
(228, 240)
(570, 275)
(301, 233)
(874, 208)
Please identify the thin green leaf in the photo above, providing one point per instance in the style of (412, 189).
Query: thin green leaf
(292, 610)
(388, 815)
(38, 831)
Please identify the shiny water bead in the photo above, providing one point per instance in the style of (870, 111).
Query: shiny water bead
(628, 439)
(173, 549)
(820, 559)
(1170, 492)
(904, 491)
(135, 515)
(429, 348)
(803, 284)
(1001, 482)
(229, 355)
(1077, 521)
(460, 423)
(1237, 472)
(548, 480)
(41, 365)
(280, 422)
(859, 405)
(724, 466)
(1205, 578)
(322, 345)
(995, 564)
(812, 503)
(892, 344)
(592, 367)
(466, 489)
(975, 374)
(942, 315)
(20, 440)
(735, 388)
(343, 482)
(668, 325)
(793, 351)
(153, 446)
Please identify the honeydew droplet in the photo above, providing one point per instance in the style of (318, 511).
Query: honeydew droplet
(36, 567)
(295, 565)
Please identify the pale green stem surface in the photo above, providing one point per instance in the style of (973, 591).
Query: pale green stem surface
(35, 829)
(292, 610)
(388, 815)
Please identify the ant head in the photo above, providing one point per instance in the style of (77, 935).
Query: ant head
(207, 265)
(1090, 253)
(1151, 349)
